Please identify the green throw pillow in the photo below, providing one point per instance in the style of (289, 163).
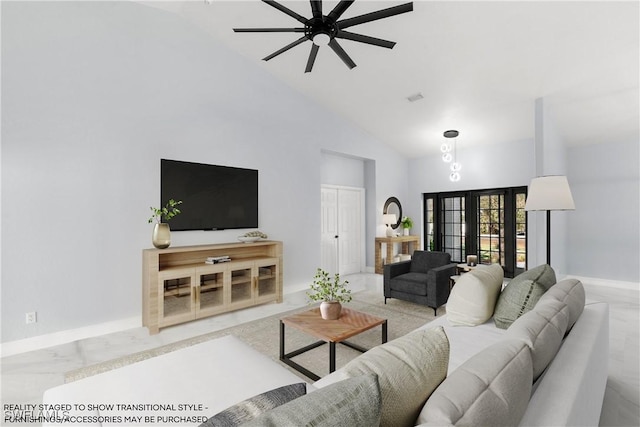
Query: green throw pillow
(522, 293)
(354, 402)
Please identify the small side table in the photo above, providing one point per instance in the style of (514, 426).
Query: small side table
(350, 323)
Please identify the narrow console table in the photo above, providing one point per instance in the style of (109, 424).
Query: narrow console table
(178, 286)
(409, 244)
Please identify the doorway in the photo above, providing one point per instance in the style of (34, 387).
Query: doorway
(342, 228)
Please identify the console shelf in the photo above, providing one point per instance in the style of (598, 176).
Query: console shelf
(178, 286)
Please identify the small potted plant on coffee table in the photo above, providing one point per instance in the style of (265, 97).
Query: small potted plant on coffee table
(331, 292)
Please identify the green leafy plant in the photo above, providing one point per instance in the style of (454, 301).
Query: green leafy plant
(327, 289)
(166, 213)
(406, 222)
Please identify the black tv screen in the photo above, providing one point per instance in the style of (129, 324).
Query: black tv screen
(213, 197)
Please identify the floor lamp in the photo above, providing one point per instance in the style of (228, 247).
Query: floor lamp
(549, 193)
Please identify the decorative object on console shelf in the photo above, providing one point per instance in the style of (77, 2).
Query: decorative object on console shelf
(389, 220)
(252, 236)
(407, 223)
(472, 260)
(161, 236)
(217, 259)
(331, 292)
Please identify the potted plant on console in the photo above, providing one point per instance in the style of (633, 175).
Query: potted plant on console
(161, 236)
(331, 292)
(407, 223)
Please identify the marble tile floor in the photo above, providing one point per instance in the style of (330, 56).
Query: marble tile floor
(26, 376)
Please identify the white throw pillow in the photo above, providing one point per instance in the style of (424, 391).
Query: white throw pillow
(409, 368)
(542, 329)
(490, 389)
(474, 296)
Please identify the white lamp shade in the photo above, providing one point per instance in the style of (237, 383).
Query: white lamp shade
(389, 219)
(549, 193)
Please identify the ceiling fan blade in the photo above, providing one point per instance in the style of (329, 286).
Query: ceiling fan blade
(286, 10)
(268, 30)
(341, 53)
(337, 11)
(316, 8)
(365, 39)
(312, 57)
(286, 48)
(374, 16)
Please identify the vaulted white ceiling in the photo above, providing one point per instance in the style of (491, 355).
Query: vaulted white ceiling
(479, 65)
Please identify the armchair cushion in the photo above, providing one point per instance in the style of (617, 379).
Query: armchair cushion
(411, 283)
(423, 261)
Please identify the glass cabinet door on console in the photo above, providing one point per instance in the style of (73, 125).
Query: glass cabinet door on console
(176, 295)
(210, 289)
(266, 277)
(241, 283)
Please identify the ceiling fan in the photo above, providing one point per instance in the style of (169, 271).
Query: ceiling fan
(325, 29)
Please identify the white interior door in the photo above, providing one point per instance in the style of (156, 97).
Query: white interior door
(329, 230)
(342, 229)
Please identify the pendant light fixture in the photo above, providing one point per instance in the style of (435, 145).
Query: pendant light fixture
(446, 148)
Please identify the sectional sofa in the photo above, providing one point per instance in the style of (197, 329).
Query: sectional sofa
(534, 354)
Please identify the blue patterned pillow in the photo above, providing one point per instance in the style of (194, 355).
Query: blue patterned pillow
(353, 402)
(249, 409)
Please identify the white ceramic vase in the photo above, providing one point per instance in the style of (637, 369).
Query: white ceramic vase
(330, 310)
(405, 231)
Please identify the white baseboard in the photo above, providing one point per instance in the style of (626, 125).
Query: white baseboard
(48, 340)
(632, 286)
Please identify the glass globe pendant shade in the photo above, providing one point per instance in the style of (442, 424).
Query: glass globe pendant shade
(446, 157)
(455, 167)
(454, 177)
(445, 148)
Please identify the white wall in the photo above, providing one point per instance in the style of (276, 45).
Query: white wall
(494, 166)
(604, 230)
(94, 94)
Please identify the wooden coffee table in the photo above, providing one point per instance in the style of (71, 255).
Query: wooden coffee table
(350, 323)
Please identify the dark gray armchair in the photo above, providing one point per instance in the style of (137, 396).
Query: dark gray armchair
(423, 280)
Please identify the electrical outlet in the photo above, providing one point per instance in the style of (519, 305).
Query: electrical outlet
(31, 317)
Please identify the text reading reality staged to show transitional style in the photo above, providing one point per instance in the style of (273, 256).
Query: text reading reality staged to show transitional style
(116, 413)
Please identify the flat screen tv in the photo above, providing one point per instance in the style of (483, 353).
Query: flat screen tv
(213, 197)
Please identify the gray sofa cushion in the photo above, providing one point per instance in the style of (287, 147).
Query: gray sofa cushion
(352, 402)
(542, 329)
(522, 293)
(490, 389)
(570, 292)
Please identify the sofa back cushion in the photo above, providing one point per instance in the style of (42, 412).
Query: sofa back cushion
(542, 329)
(522, 293)
(473, 298)
(409, 368)
(423, 261)
(490, 389)
(571, 292)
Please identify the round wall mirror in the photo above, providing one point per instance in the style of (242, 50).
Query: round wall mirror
(393, 206)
